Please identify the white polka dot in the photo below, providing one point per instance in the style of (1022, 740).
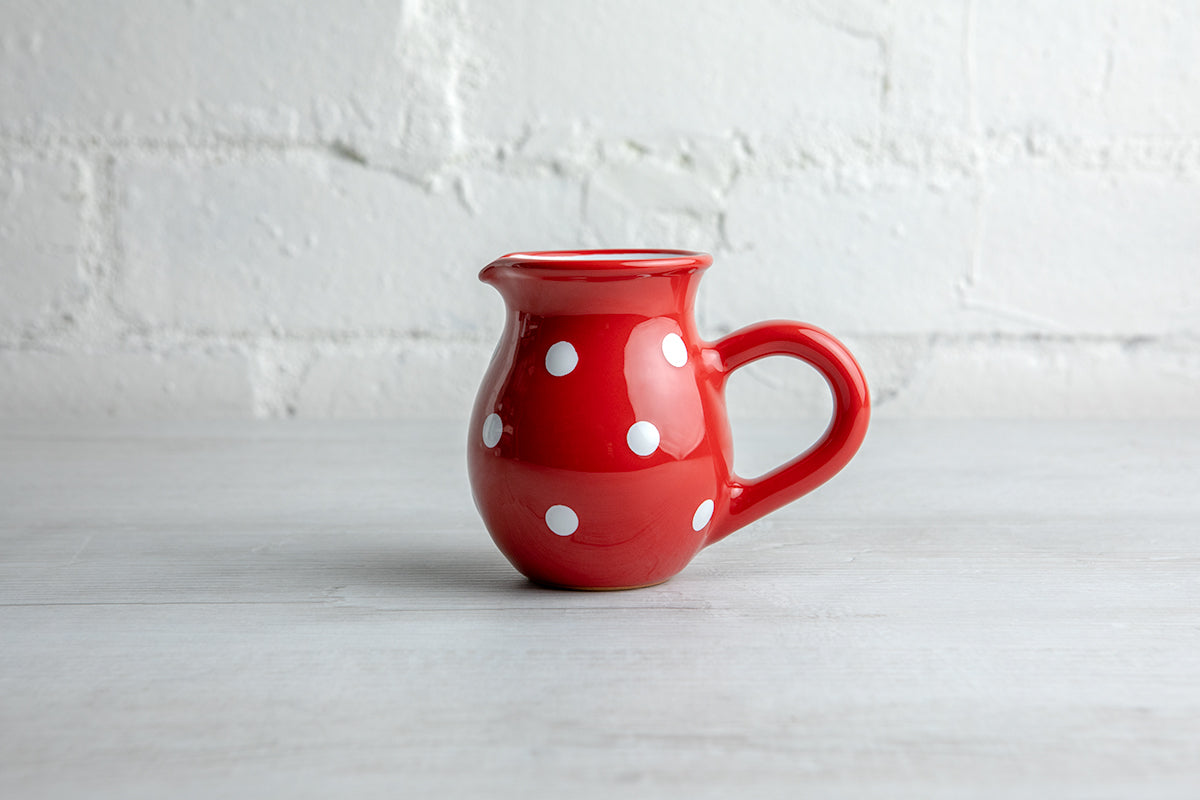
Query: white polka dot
(562, 520)
(703, 514)
(561, 358)
(642, 438)
(493, 426)
(674, 350)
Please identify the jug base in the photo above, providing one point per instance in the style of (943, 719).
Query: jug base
(565, 587)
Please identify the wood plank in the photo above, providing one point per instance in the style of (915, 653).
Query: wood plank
(989, 609)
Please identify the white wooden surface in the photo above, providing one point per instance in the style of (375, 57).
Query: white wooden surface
(971, 609)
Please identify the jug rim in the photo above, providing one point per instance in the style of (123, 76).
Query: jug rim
(624, 262)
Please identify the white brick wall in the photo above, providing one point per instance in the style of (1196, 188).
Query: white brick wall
(239, 208)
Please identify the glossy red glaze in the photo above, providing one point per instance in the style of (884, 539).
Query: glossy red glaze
(600, 454)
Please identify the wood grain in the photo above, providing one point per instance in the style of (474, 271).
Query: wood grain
(970, 609)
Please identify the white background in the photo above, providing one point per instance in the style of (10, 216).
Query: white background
(263, 209)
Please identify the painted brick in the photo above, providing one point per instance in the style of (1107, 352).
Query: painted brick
(927, 85)
(645, 201)
(653, 70)
(885, 256)
(41, 207)
(318, 244)
(1052, 379)
(992, 203)
(786, 388)
(1088, 68)
(1090, 252)
(969, 377)
(170, 384)
(422, 379)
(366, 70)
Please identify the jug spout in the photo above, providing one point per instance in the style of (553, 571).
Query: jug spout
(575, 282)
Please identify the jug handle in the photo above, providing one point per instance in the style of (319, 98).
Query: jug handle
(749, 500)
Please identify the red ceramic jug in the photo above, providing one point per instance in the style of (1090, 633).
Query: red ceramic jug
(600, 455)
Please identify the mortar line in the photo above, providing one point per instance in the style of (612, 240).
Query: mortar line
(979, 155)
(834, 153)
